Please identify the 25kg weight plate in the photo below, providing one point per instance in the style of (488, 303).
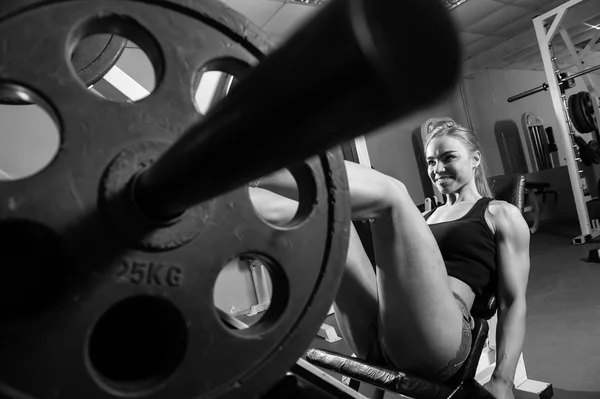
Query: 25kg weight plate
(122, 307)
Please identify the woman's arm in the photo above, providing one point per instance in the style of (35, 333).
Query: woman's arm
(512, 262)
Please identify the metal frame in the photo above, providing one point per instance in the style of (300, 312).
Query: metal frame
(578, 58)
(261, 287)
(565, 131)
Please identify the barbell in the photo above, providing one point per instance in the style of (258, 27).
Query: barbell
(111, 253)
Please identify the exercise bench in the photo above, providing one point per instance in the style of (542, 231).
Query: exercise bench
(461, 385)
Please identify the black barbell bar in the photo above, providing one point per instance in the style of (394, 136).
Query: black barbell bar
(346, 73)
(544, 86)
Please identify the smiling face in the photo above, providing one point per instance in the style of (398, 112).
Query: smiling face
(450, 163)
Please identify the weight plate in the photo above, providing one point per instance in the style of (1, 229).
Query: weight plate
(575, 113)
(574, 119)
(580, 112)
(95, 55)
(123, 319)
(587, 107)
(585, 152)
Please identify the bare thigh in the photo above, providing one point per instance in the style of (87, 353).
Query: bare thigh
(409, 297)
(420, 322)
(355, 305)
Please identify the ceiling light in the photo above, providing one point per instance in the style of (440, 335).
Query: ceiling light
(597, 27)
(308, 2)
(450, 4)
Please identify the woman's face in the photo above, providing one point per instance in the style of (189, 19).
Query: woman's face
(450, 164)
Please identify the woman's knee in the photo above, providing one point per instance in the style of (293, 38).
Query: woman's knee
(273, 208)
(371, 192)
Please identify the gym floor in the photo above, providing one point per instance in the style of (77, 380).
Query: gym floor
(563, 318)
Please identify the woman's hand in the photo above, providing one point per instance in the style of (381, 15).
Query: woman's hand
(500, 389)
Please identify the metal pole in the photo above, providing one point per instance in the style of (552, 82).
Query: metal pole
(291, 107)
(527, 93)
(465, 100)
(544, 86)
(584, 72)
(578, 183)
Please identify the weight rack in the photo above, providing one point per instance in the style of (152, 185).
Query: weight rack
(566, 133)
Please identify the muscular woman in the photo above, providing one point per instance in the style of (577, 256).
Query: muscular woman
(412, 311)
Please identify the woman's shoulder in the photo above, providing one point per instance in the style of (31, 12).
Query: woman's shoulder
(503, 209)
(504, 215)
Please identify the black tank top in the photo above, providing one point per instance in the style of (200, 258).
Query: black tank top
(468, 247)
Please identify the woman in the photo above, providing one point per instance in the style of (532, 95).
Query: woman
(413, 312)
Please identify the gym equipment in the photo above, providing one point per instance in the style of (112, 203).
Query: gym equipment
(587, 107)
(537, 141)
(510, 144)
(581, 111)
(552, 147)
(546, 27)
(566, 81)
(115, 246)
(91, 59)
(574, 112)
(589, 151)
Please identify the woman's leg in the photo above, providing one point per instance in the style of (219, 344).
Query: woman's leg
(420, 321)
(356, 302)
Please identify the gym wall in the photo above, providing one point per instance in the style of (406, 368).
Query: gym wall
(487, 91)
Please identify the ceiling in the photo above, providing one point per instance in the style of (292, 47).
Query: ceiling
(496, 34)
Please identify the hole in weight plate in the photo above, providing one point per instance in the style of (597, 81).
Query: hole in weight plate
(29, 134)
(215, 81)
(33, 263)
(243, 292)
(138, 343)
(286, 197)
(134, 72)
